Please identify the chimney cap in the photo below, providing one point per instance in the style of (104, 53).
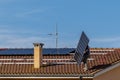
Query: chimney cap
(38, 44)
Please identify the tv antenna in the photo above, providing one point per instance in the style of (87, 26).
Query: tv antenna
(56, 37)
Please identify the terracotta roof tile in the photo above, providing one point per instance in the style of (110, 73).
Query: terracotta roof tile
(99, 62)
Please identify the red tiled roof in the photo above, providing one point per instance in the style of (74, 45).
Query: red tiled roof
(100, 58)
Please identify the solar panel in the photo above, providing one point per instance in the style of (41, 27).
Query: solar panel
(30, 51)
(82, 45)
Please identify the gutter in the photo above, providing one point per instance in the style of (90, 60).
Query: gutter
(39, 77)
(113, 66)
(44, 76)
(86, 77)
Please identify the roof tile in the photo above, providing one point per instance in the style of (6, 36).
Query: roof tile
(99, 62)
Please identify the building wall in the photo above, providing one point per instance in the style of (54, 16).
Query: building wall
(113, 74)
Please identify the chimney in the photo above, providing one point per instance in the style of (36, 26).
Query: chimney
(37, 54)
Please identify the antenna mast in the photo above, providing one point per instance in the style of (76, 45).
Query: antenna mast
(56, 38)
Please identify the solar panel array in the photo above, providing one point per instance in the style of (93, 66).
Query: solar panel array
(30, 51)
(83, 43)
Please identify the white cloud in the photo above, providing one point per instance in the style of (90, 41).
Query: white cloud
(11, 38)
(30, 12)
(6, 1)
(12, 41)
(5, 29)
(106, 40)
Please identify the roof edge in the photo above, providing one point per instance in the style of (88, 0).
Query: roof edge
(107, 69)
(39, 77)
(44, 75)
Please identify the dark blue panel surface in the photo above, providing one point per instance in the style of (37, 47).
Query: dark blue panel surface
(82, 44)
(30, 51)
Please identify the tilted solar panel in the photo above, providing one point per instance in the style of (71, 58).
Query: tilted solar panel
(82, 44)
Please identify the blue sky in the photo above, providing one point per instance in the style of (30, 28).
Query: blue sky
(23, 22)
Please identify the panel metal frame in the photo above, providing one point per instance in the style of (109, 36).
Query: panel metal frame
(82, 44)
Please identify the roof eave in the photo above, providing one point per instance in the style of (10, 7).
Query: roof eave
(45, 75)
(113, 66)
